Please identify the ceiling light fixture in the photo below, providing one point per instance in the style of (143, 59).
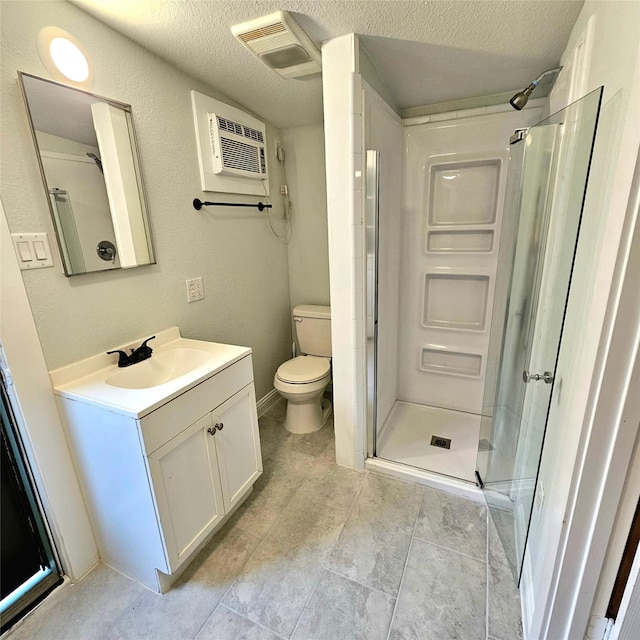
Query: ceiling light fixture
(64, 57)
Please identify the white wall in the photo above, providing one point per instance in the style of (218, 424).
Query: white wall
(554, 578)
(620, 382)
(243, 265)
(42, 433)
(342, 95)
(308, 248)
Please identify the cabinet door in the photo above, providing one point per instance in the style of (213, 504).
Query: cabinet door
(237, 444)
(185, 475)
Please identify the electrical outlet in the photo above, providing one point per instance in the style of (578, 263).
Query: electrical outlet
(284, 190)
(195, 289)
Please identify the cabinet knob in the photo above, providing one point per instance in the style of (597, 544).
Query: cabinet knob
(211, 430)
(220, 426)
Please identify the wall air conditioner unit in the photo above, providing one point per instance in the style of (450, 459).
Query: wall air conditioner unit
(238, 149)
(279, 42)
(232, 148)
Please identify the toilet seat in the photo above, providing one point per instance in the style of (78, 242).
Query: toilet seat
(304, 369)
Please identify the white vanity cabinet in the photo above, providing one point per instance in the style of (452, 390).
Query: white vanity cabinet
(159, 481)
(204, 472)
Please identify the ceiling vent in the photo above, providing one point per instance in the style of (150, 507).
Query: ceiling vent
(279, 42)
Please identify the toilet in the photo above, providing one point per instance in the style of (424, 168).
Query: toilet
(302, 380)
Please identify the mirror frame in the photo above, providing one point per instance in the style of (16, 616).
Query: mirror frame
(136, 163)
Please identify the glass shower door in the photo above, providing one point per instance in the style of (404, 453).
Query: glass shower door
(548, 207)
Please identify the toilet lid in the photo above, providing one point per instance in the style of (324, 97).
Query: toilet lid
(304, 369)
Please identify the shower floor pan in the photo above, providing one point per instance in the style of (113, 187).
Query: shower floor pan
(409, 431)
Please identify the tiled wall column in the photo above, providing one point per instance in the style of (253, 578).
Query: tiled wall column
(343, 145)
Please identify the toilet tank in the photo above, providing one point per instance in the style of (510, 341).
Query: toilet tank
(313, 328)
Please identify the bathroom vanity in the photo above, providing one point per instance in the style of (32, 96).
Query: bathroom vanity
(163, 466)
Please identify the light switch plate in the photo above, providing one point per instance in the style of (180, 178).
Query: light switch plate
(32, 250)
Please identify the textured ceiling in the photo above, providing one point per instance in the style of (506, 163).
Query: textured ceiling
(427, 51)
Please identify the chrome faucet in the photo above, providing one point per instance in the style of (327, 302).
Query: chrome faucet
(143, 352)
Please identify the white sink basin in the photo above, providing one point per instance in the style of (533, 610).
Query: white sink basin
(159, 369)
(177, 364)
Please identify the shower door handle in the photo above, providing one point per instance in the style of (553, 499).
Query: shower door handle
(547, 376)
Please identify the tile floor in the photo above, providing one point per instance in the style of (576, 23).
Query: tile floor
(317, 551)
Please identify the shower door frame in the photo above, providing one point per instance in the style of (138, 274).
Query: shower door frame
(371, 219)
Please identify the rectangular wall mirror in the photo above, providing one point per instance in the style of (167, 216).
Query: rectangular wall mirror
(91, 171)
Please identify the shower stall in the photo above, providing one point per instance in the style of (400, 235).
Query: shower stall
(471, 221)
(433, 257)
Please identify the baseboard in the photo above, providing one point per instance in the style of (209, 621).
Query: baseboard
(266, 402)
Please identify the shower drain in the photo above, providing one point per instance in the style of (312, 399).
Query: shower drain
(439, 441)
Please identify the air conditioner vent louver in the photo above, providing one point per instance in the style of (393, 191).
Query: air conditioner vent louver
(230, 126)
(263, 32)
(239, 156)
(253, 134)
(225, 124)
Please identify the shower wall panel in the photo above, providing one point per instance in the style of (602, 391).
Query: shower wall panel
(454, 187)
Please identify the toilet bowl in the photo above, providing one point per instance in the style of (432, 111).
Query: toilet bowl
(302, 382)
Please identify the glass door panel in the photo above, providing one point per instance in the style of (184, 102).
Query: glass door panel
(29, 570)
(548, 209)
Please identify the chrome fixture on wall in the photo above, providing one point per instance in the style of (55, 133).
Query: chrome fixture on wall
(520, 99)
(106, 251)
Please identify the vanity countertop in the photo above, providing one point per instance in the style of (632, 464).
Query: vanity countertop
(86, 380)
